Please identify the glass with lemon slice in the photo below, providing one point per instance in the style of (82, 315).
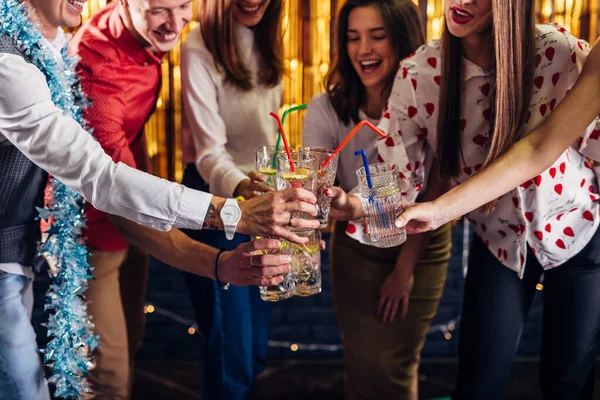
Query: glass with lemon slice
(305, 277)
(303, 175)
(325, 178)
(264, 156)
(284, 289)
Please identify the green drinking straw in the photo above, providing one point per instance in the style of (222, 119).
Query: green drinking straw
(285, 113)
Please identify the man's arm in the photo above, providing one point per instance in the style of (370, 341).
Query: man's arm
(177, 249)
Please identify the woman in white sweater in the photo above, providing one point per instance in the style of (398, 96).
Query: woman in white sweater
(384, 299)
(231, 69)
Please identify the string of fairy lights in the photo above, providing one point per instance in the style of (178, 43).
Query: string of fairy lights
(192, 329)
(446, 328)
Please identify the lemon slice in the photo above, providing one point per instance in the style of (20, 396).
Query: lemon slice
(387, 191)
(267, 171)
(298, 175)
(309, 248)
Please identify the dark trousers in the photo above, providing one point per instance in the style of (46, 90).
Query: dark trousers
(235, 322)
(496, 303)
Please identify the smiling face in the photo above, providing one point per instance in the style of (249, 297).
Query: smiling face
(159, 23)
(468, 17)
(52, 14)
(369, 47)
(249, 12)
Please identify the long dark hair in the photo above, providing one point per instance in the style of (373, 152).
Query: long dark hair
(513, 40)
(405, 31)
(217, 22)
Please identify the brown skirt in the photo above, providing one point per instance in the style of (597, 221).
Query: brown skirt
(381, 360)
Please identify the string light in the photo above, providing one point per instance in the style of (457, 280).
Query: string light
(192, 329)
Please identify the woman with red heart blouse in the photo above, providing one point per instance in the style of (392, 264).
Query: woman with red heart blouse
(463, 101)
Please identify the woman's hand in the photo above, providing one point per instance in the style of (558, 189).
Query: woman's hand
(252, 187)
(396, 288)
(270, 214)
(248, 265)
(420, 217)
(344, 207)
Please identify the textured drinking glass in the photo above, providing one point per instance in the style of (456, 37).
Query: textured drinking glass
(283, 290)
(264, 156)
(305, 278)
(382, 204)
(304, 176)
(325, 178)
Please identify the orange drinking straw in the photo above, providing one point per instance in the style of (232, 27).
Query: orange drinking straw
(285, 141)
(347, 139)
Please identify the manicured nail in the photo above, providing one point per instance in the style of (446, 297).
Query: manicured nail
(398, 223)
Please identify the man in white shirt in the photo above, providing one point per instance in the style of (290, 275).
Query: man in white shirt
(36, 136)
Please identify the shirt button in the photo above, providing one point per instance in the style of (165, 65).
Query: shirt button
(146, 64)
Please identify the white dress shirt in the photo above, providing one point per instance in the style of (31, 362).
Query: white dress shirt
(556, 213)
(225, 122)
(32, 123)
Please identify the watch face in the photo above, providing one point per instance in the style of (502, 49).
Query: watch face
(230, 214)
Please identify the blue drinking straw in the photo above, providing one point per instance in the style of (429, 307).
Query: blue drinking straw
(363, 153)
(370, 184)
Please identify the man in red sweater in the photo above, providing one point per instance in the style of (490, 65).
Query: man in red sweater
(121, 50)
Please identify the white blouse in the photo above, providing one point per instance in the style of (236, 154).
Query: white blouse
(322, 127)
(556, 213)
(225, 122)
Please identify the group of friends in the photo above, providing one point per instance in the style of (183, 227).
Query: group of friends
(475, 121)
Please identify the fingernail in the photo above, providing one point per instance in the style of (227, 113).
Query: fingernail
(328, 192)
(398, 224)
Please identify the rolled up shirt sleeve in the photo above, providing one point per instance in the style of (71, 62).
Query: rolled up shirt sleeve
(32, 123)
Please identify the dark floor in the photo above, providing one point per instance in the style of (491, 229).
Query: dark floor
(313, 379)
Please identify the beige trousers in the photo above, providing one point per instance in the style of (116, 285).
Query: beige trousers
(116, 299)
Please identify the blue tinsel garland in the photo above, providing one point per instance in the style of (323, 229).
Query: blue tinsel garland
(70, 328)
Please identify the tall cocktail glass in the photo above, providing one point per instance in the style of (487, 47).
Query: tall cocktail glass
(264, 156)
(382, 204)
(325, 178)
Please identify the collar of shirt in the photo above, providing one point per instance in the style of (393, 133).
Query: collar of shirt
(129, 44)
(472, 70)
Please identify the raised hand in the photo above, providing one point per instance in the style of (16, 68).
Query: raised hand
(270, 214)
(249, 265)
(420, 217)
(344, 207)
(252, 187)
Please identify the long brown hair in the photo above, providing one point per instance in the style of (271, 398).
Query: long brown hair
(217, 22)
(513, 40)
(403, 26)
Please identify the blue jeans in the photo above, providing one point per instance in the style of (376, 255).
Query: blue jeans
(21, 372)
(235, 322)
